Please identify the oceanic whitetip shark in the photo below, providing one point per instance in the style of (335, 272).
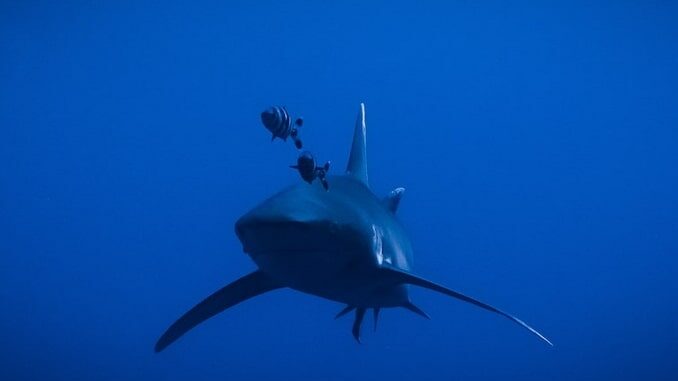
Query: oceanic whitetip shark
(344, 244)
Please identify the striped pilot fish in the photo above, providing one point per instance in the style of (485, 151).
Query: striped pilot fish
(277, 120)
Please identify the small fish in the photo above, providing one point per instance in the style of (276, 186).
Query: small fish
(277, 120)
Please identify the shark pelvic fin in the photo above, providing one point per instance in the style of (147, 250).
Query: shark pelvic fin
(247, 287)
(410, 306)
(359, 315)
(392, 201)
(357, 159)
(343, 312)
(403, 277)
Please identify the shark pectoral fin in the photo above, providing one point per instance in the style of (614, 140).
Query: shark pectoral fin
(404, 277)
(247, 287)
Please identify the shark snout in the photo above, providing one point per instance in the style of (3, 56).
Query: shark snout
(275, 234)
(299, 233)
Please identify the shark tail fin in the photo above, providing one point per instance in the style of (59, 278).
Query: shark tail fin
(247, 287)
(403, 277)
(357, 159)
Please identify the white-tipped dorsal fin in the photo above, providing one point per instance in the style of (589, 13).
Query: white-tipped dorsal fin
(392, 201)
(357, 160)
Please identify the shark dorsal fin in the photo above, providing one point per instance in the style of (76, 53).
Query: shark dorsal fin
(357, 160)
(392, 201)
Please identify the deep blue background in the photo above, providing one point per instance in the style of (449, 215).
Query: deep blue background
(538, 146)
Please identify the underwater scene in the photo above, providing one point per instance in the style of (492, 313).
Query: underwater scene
(338, 190)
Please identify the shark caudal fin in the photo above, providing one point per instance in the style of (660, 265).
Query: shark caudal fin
(247, 287)
(357, 159)
(403, 277)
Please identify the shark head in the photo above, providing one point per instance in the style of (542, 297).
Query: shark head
(343, 244)
(327, 243)
(304, 218)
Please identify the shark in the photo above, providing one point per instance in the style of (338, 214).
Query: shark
(344, 244)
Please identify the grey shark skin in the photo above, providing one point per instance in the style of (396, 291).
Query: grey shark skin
(344, 244)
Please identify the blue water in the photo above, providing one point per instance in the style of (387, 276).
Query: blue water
(538, 146)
